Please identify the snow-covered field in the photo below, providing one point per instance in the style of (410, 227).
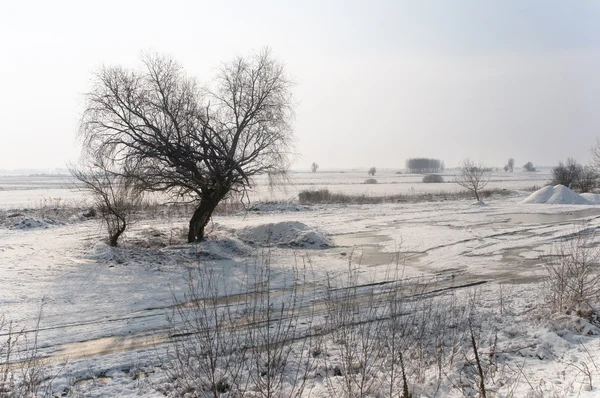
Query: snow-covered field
(34, 191)
(105, 311)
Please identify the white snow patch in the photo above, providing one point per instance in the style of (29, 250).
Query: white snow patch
(558, 194)
(284, 234)
(593, 198)
(479, 203)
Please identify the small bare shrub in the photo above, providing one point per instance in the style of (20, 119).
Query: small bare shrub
(206, 354)
(433, 178)
(113, 193)
(370, 181)
(23, 372)
(372, 171)
(278, 356)
(241, 336)
(573, 273)
(314, 196)
(353, 320)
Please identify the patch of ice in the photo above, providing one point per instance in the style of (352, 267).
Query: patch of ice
(558, 194)
(284, 234)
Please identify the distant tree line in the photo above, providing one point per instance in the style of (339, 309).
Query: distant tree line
(424, 165)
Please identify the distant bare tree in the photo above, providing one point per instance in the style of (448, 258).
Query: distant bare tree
(510, 166)
(372, 171)
(528, 167)
(567, 174)
(595, 152)
(586, 179)
(114, 194)
(198, 145)
(473, 177)
(314, 167)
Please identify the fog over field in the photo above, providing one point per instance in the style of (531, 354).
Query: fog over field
(323, 199)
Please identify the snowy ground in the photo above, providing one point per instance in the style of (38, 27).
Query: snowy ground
(105, 311)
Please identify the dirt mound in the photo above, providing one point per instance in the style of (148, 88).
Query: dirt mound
(557, 195)
(284, 234)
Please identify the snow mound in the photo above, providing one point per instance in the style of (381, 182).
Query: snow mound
(558, 195)
(284, 234)
(593, 198)
(30, 223)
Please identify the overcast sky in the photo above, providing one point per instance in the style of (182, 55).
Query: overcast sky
(377, 81)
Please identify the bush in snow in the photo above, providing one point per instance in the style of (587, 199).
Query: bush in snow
(314, 196)
(237, 336)
(529, 167)
(433, 178)
(23, 372)
(370, 181)
(573, 274)
(372, 171)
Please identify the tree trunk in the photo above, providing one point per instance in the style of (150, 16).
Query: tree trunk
(202, 215)
(113, 237)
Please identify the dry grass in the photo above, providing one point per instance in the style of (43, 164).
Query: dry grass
(324, 196)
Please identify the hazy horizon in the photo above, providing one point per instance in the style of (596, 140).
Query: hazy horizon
(376, 83)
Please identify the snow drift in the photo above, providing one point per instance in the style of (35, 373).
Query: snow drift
(593, 198)
(558, 195)
(284, 234)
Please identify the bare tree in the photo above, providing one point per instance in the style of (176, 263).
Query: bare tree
(595, 152)
(113, 193)
(372, 171)
(197, 144)
(510, 166)
(528, 167)
(586, 179)
(473, 177)
(314, 167)
(567, 174)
